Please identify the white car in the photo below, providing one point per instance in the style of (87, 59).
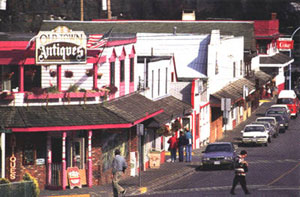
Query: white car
(282, 106)
(271, 120)
(255, 134)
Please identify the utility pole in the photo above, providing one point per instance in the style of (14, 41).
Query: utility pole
(81, 10)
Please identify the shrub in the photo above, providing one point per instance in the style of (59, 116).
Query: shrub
(36, 189)
(4, 181)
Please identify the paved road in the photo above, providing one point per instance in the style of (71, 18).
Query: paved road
(273, 171)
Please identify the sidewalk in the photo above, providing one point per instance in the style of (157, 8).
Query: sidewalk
(152, 179)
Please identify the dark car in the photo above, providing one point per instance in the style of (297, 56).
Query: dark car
(281, 121)
(282, 112)
(219, 154)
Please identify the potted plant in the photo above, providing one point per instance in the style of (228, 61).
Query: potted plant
(99, 75)
(89, 72)
(52, 73)
(68, 74)
(8, 75)
(111, 89)
(176, 126)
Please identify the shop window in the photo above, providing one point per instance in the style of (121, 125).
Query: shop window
(32, 78)
(28, 154)
(122, 71)
(131, 69)
(9, 79)
(112, 73)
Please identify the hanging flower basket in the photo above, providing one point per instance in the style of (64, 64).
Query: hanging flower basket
(111, 89)
(8, 76)
(176, 126)
(164, 130)
(68, 74)
(89, 72)
(52, 73)
(99, 75)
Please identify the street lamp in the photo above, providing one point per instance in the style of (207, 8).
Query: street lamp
(290, 66)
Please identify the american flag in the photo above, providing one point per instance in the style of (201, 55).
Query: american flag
(98, 40)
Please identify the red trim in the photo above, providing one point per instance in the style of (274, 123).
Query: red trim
(193, 94)
(120, 42)
(21, 77)
(148, 116)
(72, 128)
(58, 77)
(95, 76)
(204, 105)
(174, 64)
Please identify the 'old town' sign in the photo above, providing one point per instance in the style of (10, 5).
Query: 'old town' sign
(60, 46)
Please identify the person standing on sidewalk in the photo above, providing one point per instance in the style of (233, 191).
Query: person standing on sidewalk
(188, 148)
(181, 145)
(241, 169)
(173, 147)
(119, 166)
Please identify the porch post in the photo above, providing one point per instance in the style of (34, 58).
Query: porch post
(95, 77)
(64, 165)
(58, 78)
(90, 170)
(49, 159)
(21, 77)
(3, 155)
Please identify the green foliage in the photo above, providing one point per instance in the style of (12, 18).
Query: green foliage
(73, 88)
(52, 89)
(28, 177)
(4, 181)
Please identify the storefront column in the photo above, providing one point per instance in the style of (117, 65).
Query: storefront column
(64, 164)
(90, 170)
(21, 77)
(95, 77)
(59, 77)
(3, 155)
(49, 160)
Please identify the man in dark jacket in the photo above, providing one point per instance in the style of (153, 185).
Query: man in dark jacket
(241, 169)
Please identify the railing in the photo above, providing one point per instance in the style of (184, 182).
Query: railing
(24, 189)
(56, 174)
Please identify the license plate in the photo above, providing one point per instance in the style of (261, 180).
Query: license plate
(217, 162)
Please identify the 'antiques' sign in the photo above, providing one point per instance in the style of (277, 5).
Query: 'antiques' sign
(60, 46)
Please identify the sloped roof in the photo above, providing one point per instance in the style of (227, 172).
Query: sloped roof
(234, 91)
(278, 58)
(173, 108)
(123, 112)
(236, 28)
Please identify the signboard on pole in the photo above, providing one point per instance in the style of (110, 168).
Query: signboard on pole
(225, 104)
(285, 44)
(245, 91)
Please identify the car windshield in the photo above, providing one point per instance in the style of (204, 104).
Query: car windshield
(285, 101)
(275, 112)
(278, 118)
(254, 128)
(266, 120)
(218, 148)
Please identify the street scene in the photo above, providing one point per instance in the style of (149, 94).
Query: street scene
(149, 98)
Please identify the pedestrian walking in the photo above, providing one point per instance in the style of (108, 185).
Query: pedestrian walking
(119, 166)
(173, 147)
(241, 168)
(182, 142)
(188, 147)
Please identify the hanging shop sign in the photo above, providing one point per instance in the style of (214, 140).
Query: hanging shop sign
(285, 44)
(60, 46)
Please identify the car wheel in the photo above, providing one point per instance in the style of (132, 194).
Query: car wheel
(266, 144)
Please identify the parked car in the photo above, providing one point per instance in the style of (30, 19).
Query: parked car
(255, 134)
(282, 112)
(289, 98)
(269, 128)
(281, 121)
(282, 106)
(272, 121)
(219, 154)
